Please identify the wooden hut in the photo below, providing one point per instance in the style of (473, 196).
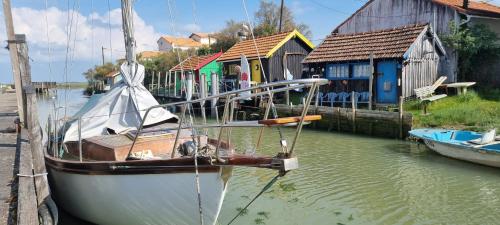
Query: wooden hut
(402, 59)
(199, 66)
(274, 51)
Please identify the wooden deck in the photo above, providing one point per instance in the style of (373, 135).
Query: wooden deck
(16, 195)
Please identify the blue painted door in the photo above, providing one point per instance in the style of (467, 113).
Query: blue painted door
(387, 82)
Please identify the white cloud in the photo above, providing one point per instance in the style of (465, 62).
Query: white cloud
(85, 33)
(191, 28)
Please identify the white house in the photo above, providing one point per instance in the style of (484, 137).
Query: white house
(204, 38)
(168, 43)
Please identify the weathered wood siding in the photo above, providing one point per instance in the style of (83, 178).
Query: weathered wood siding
(388, 14)
(421, 66)
(294, 61)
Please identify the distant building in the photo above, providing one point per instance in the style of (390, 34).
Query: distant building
(378, 15)
(149, 55)
(203, 38)
(168, 43)
(274, 51)
(111, 79)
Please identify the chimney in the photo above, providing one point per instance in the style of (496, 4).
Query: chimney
(465, 4)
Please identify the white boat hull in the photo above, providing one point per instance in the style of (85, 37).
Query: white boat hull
(470, 154)
(132, 199)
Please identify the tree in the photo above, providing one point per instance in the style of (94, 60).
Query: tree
(228, 36)
(478, 49)
(268, 16)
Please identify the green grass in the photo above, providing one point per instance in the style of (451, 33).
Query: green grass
(477, 112)
(72, 85)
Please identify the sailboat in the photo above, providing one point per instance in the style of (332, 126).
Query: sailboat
(125, 159)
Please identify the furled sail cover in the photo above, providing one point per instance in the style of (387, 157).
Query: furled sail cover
(118, 108)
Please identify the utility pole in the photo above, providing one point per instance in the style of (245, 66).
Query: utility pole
(102, 53)
(281, 15)
(14, 58)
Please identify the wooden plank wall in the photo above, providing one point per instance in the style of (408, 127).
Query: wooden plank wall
(388, 14)
(294, 61)
(27, 209)
(421, 67)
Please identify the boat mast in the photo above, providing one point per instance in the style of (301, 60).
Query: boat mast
(128, 33)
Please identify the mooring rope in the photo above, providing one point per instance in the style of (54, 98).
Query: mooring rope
(268, 185)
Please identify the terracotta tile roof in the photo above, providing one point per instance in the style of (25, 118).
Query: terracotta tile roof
(267, 46)
(182, 42)
(196, 62)
(475, 7)
(112, 73)
(384, 44)
(247, 47)
(150, 54)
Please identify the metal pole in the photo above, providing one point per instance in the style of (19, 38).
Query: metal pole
(304, 113)
(80, 138)
(102, 53)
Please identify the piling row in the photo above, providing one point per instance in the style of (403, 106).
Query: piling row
(357, 121)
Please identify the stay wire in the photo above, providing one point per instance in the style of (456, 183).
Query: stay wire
(273, 107)
(110, 39)
(268, 185)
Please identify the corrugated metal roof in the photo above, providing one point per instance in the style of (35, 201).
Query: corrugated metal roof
(385, 44)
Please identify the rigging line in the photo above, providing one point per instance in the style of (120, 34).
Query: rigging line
(273, 108)
(70, 16)
(109, 28)
(194, 13)
(48, 40)
(72, 58)
(268, 185)
(92, 34)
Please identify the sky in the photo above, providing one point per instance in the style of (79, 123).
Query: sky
(59, 55)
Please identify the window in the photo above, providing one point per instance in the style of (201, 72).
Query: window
(337, 71)
(360, 70)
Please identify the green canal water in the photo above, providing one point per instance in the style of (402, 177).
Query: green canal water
(349, 179)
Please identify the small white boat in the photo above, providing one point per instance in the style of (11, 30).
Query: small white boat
(464, 145)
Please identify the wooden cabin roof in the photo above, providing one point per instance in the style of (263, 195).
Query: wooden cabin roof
(196, 62)
(266, 45)
(385, 44)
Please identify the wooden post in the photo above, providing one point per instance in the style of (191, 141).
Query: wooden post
(353, 106)
(34, 132)
(338, 118)
(215, 91)
(175, 83)
(14, 60)
(158, 85)
(370, 82)
(401, 100)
